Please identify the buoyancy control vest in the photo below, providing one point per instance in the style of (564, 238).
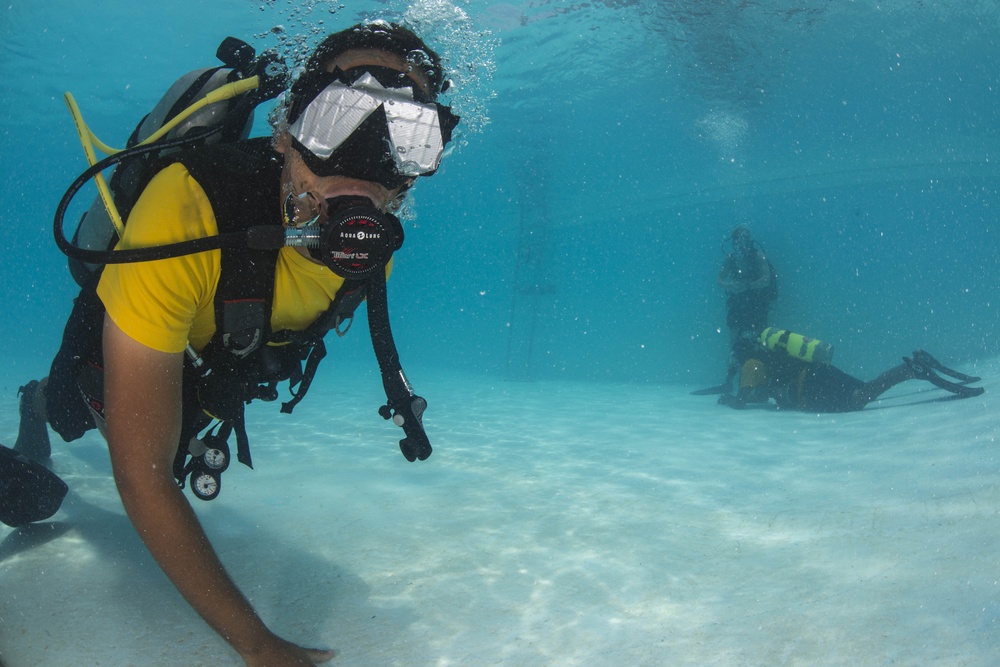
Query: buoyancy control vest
(242, 362)
(245, 360)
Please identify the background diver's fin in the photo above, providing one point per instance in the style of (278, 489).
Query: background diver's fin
(959, 390)
(712, 391)
(29, 491)
(927, 360)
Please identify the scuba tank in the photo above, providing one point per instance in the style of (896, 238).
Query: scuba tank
(796, 345)
(205, 106)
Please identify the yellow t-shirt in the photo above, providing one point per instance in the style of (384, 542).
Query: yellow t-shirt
(167, 303)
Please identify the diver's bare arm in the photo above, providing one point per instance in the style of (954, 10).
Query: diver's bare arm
(143, 403)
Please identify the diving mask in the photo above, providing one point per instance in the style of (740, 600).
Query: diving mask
(371, 123)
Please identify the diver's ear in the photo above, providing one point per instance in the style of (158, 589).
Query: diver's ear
(282, 143)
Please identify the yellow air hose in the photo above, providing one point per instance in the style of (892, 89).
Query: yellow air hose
(89, 140)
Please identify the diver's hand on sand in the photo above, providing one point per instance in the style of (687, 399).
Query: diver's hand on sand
(281, 654)
(320, 655)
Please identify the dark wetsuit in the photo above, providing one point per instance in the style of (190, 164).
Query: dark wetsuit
(797, 385)
(800, 385)
(747, 311)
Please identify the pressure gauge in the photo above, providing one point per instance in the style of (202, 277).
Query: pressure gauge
(205, 485)
(216, 459)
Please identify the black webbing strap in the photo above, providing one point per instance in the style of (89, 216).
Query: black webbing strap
(241, 182)
(242, 441)
(316, 355)
(347, 299)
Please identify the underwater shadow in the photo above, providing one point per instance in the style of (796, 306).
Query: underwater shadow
(301, 594)
(948, 397)
(28, 537)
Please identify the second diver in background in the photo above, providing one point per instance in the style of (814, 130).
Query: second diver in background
(750, 283)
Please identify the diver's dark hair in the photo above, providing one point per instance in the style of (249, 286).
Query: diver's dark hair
(381, 36)
(741, 231)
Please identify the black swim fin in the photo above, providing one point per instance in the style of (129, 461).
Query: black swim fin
(925, 359)
(922, 371)
(29, 491)
(960, 390)
(32, 432)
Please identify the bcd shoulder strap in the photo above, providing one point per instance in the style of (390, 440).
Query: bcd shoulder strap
(241, 181)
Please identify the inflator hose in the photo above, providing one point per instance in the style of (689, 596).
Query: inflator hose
(405, 408)
(263, 237)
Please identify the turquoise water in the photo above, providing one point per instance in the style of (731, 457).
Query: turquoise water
(555, 301)
(858, 140)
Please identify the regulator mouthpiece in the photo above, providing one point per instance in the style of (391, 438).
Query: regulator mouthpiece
(355, 240)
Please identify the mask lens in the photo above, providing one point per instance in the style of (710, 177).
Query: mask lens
(415, 133)
(331, 118)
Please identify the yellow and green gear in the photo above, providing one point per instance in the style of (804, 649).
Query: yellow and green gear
(796, 345)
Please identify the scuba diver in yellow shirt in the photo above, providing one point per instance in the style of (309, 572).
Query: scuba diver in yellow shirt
(795, 372)
(262, 247)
